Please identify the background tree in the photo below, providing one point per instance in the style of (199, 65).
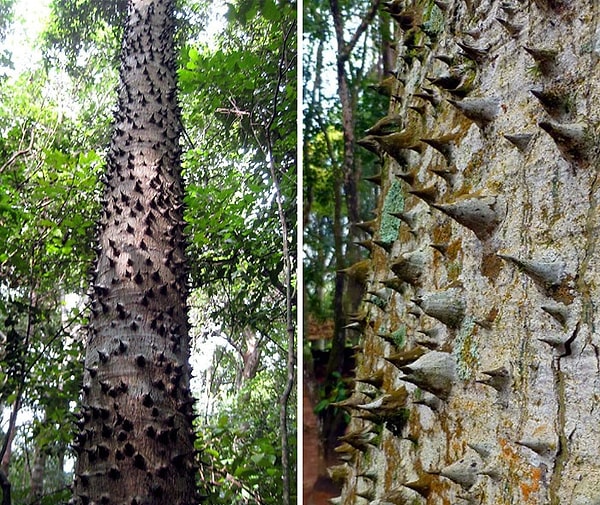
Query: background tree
(247, 258)
(46, 226)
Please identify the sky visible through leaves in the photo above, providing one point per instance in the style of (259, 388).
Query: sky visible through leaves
(30, 18)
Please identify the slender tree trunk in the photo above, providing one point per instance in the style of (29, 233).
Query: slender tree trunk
(36, 487)
(287, 268)
(136, 439)
(387, 49)
(6, 450)
(348, 168)
(331, 420)
(336, 356)
(250, 358)
(349, 293)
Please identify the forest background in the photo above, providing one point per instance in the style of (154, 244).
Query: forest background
(238, 99)
(348, 64)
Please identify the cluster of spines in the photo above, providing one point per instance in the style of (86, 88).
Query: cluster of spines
(481, 214)
(140, 270)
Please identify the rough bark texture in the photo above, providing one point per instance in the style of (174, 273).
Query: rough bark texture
(136, 439)
(36, 486)
(477, 381)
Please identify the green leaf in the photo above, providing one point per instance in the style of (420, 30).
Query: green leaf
(321, 406)
(212, 452)
(257, 458)
(270, 10)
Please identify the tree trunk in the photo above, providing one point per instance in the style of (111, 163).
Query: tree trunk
(250, 353)
(136, 444)
(5, 486)
(347, 294)
(480, 359)
(36, 487)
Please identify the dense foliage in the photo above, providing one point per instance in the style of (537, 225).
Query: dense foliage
(238, 99)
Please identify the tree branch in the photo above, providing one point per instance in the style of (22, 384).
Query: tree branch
(21, 152)
(345, 49)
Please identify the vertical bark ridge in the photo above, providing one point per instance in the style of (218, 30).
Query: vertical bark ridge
(136, 439)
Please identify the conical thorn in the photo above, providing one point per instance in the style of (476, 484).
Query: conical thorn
(481, 214)
(521, 141)
(480, 110)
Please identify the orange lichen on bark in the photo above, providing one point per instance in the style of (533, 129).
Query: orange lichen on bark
(491, 265)
(532, 485)
(530, 479)
(507, 450)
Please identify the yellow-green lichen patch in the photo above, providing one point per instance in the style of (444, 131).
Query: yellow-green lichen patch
(399, 336)
(433, 21)
(454, 269)
(472, 173)
(466, 350)
(393, 203)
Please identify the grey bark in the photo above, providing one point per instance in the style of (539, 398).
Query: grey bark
(36, 488)
(136, 440)
(489, 356)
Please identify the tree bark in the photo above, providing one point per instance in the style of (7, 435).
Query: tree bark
(136, 443)
(349, 175)
(477, 377)
(250, 357)
(36, 487)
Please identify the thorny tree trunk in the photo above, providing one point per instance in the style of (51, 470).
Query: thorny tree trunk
(477, 381)
(136, 441)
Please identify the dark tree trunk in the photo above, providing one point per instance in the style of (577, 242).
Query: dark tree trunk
(5, 486)
(136, 440)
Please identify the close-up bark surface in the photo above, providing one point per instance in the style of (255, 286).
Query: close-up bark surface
(136, 444)
(477, 377)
